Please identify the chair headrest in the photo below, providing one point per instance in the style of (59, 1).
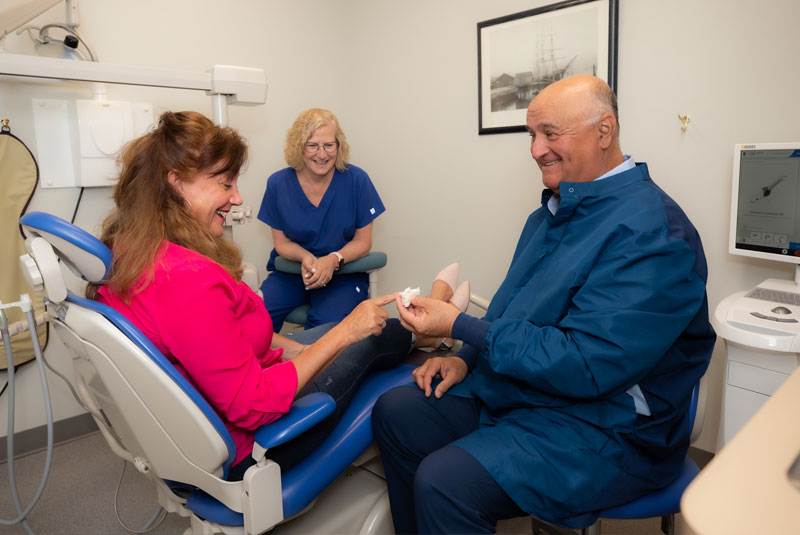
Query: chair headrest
(85, 255)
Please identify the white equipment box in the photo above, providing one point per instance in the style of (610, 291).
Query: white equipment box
(762, 339)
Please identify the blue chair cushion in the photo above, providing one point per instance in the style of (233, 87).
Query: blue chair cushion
(67, 231)
(305, 413)
(662, 502)
(209, 508)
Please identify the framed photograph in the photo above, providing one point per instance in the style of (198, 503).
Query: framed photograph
(520, 54)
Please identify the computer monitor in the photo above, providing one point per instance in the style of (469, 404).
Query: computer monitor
(765, 201)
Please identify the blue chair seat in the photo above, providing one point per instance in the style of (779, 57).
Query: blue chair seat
(662, 502)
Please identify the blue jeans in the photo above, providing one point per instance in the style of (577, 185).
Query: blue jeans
(340, 380)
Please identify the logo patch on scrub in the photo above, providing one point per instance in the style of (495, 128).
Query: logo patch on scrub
(372, 211)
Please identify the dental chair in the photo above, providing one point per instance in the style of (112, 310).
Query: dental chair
(151, 416)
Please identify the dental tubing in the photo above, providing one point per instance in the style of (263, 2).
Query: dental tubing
(5, 329)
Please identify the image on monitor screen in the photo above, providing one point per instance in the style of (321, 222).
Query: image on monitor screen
(765, 208)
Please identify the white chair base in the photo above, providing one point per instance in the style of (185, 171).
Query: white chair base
(357, 502)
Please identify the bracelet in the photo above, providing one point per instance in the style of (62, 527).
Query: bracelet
(341, 260)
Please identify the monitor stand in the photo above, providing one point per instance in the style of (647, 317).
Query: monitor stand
(784, 285)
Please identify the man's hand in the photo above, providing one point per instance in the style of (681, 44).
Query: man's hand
(452, 370)
(428, 317)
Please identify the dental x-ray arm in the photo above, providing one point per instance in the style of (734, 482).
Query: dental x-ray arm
(225, 84)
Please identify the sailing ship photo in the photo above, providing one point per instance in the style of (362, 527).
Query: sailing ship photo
(521, 54)
(548, 65)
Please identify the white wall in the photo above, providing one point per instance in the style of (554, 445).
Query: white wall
(402, 79)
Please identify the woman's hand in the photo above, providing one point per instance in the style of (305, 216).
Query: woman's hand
(367, 319)
(320, 271)
(307, 267)
(290, 353)
(428, 317)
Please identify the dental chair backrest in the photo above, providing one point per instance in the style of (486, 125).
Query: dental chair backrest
(147, 411)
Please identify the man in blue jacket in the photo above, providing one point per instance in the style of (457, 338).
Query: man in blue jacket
(571, 395)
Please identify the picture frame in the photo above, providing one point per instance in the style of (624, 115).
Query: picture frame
(521, 53)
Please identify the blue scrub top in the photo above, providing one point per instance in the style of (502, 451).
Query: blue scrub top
(351, 202)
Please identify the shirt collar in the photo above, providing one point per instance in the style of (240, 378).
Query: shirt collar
(627, 164)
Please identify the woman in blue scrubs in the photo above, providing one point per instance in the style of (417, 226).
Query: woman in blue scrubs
(320, 210)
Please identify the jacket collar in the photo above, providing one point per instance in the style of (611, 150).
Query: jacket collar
(573, 193)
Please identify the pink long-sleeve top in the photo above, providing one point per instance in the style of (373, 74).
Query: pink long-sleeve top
(218, 334)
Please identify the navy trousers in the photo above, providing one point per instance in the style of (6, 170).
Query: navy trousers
(435, 487)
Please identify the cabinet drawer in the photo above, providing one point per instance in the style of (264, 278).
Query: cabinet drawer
(754, 378)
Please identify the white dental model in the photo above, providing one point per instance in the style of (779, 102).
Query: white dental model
(407, 295)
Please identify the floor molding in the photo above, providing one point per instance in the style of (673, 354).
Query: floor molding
(32, 440)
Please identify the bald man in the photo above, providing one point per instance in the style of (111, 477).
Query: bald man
(571, 394)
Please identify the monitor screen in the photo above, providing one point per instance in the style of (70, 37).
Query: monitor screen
(765, 201)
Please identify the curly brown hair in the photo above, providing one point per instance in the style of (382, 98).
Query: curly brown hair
(149, 210)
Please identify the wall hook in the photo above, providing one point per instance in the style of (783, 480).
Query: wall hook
(685, 120)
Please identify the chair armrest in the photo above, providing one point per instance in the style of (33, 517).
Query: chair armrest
(371, 262)
(374, 260)
(479, 301)
(305, 413)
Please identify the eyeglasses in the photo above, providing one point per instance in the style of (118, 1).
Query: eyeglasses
(311, 148)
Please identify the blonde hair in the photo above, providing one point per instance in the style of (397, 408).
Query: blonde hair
(303, 128)
(149, 210)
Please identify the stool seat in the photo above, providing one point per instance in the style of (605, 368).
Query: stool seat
(297, 315)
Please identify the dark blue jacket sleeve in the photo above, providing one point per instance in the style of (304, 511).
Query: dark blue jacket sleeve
(473, 332)
(635, 302)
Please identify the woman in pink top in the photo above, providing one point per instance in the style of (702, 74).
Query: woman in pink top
(176, 278)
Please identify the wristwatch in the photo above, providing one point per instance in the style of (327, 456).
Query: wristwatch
(341, 260)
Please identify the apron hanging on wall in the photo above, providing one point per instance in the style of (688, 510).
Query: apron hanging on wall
(19, 175)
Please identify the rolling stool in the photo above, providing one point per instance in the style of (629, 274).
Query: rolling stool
(366, 264)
